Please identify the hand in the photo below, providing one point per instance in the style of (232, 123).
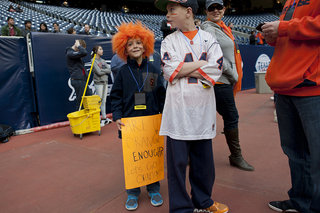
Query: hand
(119, 124)
(270, 30)
(77, 43)
(269, 38)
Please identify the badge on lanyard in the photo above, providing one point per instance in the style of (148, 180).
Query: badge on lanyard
(205, 86)
(140, 100)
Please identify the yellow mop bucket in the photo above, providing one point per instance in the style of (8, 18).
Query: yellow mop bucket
(88, 119)
(85, 121)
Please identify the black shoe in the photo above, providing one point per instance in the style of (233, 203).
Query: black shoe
(282, 206)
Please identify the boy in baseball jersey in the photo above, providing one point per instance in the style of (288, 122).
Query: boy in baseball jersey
(192, 63)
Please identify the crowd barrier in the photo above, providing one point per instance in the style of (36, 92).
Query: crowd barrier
(52, 97)
(17, 100)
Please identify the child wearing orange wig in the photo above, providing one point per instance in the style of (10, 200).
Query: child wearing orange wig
(137, 89)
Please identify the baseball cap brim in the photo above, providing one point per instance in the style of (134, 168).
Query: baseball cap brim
(162, 4)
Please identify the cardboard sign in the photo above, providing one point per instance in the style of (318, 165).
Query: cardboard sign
(143, 150)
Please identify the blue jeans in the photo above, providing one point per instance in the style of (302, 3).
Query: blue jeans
(201, 174)
(226, 106)
(79, 86)
(151, 188)
(299, 127)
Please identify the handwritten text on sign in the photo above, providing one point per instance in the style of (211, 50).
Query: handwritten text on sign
(143, 150)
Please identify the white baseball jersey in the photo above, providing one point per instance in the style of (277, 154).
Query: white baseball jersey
(190, 107)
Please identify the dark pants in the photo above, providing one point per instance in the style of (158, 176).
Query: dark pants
(299, 126)
(151, 188)
(201, 174)
(226, 106)
(79, 86)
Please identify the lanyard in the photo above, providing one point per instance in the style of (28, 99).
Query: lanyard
(136, 79)
(191, 46)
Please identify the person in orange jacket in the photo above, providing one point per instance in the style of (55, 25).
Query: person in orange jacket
(294, 74)
(259, 38)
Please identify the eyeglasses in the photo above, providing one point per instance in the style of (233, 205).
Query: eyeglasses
(213, 8)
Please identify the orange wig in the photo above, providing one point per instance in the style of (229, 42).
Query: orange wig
(136, 31)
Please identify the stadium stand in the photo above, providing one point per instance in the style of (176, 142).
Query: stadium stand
(105, 23)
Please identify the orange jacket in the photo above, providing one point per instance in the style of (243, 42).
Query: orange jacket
(260, 38)
(296, 59)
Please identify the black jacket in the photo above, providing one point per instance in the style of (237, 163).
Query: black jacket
(124, 86)
(75, 63)
(166, 30)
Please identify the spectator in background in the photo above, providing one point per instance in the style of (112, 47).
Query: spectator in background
(101, 70)
(18, 9)
(43, 28)
(197, 22)
(166, 28)
(10, 29)
(259, 38)
(77, 70)
(56, 28)
(230, 25)
(27, 28)
(252, 38)
(116, 63)
(11, 9)
(122, 10)
(71, 31)
(86, 30)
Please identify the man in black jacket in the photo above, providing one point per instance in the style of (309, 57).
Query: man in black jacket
(166, 28)
(27, 28)
(77, 70)
(86, 30)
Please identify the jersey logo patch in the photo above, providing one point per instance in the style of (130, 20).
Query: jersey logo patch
(151, 82)
(203, 56)
(166, 56)
(188, 58)
(192, 80)
(220, 62)
(303, 2)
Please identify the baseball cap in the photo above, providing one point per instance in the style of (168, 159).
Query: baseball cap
(210, 2)
(162, 4)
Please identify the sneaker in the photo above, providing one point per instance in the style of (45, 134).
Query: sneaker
(107, 121)
(215, 208)
(132, 203)
(102, 123)
(156, 199)
(282, 206)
